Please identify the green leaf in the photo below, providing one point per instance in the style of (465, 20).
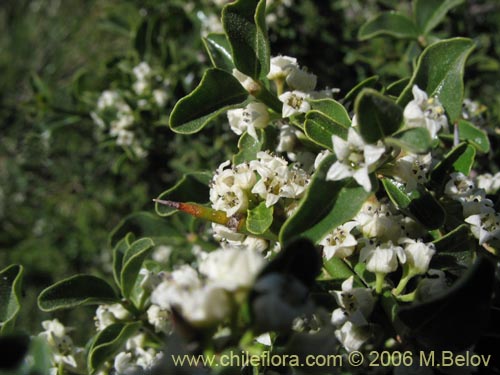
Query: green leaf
(78, 290)
(395, 88)
(244, 22)
(248, 147)
(108, 342)
(320, 128)
(333, 110)
(353, 93)
(259, 218)
(455, 249)
(144, 224)
(460, 159)
(419, 204)
(219, 51)
(429, 13)
(192, 187)
(10, 295)
(378, 116)
(118, 252)
(392, 24)
(439, 72)
(468, 132)
(217, 91)
(416, 140)
(131, 264)
(434, 324)
(338, 270)
(325, 206)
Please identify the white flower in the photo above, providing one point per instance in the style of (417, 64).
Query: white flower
(382, 259)
(247, 82)
(161, 254)
(124, 364)
(294, 102)
(485, 226)
(351, 336)
(223, 233)
(201, 304)
(140, 87)
(160, 97)
(264, 339)
(490, 183)
(354, 159)
(158, 318)
(281, 67)
(300, 80)
(108, 314)
(459, 186)
(423, 112)
(476, 203)
(150, 279)
(108, 99)
(355, 304)
(340, 243)
(142, 71)
(418, 256)
(287, 139)
(234, 200)
(412, 169)
(125, 138)
(253, 116)
(375, 219)
(232, 269)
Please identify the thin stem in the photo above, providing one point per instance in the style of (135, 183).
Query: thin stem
(379, 282)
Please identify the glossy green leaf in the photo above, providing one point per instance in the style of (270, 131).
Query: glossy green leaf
(320, 128)
(419, 204)
(439, 73)
(217, 91)
(455, 249)
(392, 24)
(333, 110)
(378, 116)
(353, 93)
(10, 295)
(468, 132)
(325, 206)
(416, 140)
(192, 187)
(249, 147)
(259, 218)
(131, 263)
(144, 224)
(118, 253)
(76, 291)
(108, 342)
(219, 51)
(434, 323)
(244, 22)
(429, 13)
(460, 159)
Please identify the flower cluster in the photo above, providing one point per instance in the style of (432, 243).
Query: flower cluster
(117, 113)
(207, 296)
(64, 353)
(478, 210)
(268, 179)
